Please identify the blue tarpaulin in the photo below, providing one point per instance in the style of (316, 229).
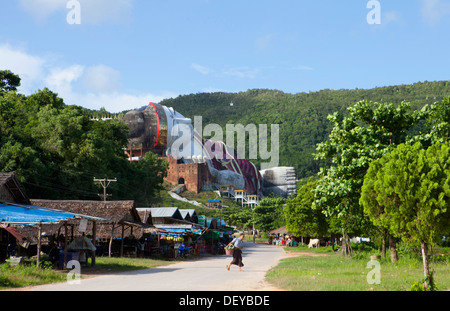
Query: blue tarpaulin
(18, 214)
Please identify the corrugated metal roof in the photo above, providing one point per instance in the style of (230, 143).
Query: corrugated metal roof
(192, 212)
(161, 212)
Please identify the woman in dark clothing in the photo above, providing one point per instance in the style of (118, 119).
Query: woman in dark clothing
(237, 254)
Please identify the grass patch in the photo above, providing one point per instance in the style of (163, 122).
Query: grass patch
(334, 272)
(29, 275)
(129, 264)
(22, 276)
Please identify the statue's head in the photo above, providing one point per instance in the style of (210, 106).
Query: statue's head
(148, 127)
(136, 123)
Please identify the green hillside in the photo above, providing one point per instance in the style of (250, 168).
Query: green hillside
(302, 117)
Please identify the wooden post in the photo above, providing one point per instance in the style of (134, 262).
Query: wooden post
(39, 244)
(121, 242)
(111, 240)
(94, 238)
(66, 241)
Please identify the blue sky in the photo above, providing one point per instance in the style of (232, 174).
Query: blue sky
(125, 53)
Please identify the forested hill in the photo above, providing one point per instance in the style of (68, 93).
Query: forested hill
(302, 117)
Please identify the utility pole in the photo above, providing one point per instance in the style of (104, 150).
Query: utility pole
(105, 183)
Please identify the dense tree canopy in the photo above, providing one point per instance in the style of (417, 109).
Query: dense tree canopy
(302, 219)
(8, 81)
(408, 191)
(368, 132)
(56, 150)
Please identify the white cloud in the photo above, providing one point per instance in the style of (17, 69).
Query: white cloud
(242, 72)
(42, 9)
(433, 11)
(99, 11)
(262, 43)
(116, 101)
(60, 79)
(101, 79)
(202, 69)
(99, 85)
(214, 90)
(302, 68)
(92, 11)
(389, 17)
(29, 68)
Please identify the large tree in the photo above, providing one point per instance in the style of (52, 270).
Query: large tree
(302, 219)
(365, 134)
(8, 81)
(408, 191)
(268, 215)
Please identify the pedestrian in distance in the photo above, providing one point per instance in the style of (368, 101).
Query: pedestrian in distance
(237, 254)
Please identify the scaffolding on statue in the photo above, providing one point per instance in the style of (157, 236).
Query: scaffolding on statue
(239, 195)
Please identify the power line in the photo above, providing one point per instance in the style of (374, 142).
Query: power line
(105, 183)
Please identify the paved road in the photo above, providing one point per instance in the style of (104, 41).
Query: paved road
(206, 274)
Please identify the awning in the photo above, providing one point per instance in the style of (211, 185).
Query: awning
(178, 228)
(19, 236)
(18, 214)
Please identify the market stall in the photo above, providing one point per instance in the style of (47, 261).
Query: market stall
(13, 214)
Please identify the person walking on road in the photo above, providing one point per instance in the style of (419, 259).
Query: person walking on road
(237, 254)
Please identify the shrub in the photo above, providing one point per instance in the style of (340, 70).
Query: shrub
(417, 286)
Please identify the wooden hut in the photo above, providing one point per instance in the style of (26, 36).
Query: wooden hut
(15, 201)
(120, 214)
(11, 190)
(189, 215)
(163, 215)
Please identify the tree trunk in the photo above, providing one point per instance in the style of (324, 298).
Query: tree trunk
(346, 247)
(383, 245)
(426, 267)
(392, 246)
(111, 241)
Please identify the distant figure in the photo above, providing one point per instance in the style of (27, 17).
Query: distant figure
(237, 254)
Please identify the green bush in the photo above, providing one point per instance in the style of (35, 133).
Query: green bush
(417, 286)
(363, 246)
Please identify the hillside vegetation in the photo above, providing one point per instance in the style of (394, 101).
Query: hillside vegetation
(302, 117)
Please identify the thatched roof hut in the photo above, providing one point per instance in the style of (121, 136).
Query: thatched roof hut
(11, 190)
(115, 211)
(281, 231)
(120, 214)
